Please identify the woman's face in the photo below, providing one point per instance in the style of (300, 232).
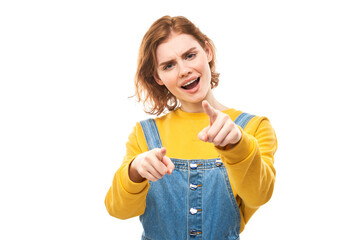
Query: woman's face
(183, 67)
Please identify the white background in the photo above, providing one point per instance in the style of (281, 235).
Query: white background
(67, 69)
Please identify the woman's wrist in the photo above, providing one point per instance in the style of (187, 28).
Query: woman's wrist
(134, 175)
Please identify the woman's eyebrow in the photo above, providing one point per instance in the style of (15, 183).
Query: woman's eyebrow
(188, 51)
(183, 55)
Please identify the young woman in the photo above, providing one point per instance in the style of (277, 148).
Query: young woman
(202, 169)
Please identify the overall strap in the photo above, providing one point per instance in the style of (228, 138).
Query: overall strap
(151, 133)
(243, 119)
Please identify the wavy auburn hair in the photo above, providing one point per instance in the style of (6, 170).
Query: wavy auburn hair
(157, 98)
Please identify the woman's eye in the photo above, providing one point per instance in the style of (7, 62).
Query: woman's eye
(191, 55)
(167, 66)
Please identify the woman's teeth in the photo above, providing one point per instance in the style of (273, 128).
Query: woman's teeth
(188, 85)
(190, 82)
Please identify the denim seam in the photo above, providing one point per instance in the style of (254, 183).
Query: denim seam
(202, 203)
(183, 164)
(188, 205)
(151, 133)
(243, 119)
(231, 195)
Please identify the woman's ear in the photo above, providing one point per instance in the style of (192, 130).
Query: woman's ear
(157, 79)
(208, 51)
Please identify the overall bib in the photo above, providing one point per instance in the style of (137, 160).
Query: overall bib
(195, 202)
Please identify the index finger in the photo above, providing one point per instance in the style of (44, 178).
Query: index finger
(160, 153)
(210, 111)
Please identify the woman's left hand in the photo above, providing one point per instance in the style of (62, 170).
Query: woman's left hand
(222, 131)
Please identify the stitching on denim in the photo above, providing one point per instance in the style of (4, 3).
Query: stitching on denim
(183, 164)
(146, 134)
(188, 205)
(243, 119)
(151, 133)
(202, 203)
(156, 135)
(232, 197)
(246, 120)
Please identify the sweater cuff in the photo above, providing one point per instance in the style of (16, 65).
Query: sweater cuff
(130, 186)
(239, 151)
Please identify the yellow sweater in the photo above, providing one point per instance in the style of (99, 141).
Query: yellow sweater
(249, 163)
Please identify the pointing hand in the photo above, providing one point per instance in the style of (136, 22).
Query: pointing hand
(222, 131)
(151, 165)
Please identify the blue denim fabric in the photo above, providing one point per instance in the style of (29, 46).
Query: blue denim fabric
(194, 202)
(243, 119)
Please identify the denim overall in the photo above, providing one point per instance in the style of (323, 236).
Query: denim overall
(195, 202)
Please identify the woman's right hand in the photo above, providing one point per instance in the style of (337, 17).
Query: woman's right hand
(151, 165)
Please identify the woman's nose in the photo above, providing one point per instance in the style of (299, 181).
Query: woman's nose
(184, 70)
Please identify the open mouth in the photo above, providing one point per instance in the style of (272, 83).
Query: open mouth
(191, 84)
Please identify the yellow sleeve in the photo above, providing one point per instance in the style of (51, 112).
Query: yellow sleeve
(125, 198)
(250, 164)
